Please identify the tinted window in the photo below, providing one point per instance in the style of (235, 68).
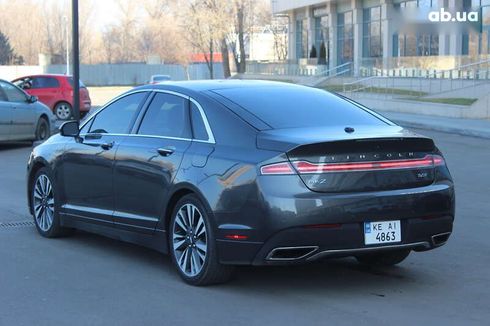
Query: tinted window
(166, 116)
(116, 118)
(70, 80)
(198, 127)
(45, 82)
(3, 97)
(294, 107)
(13, 93)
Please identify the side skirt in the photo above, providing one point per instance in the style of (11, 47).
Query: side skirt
(156, 241)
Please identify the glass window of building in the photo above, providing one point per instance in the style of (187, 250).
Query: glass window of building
(301, 38)
(322, 36)
(345, 37)
(372, 45)
(475, 42)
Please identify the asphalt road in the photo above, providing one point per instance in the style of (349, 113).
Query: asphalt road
(90, 280)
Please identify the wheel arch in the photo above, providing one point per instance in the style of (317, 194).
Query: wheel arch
(175, 195)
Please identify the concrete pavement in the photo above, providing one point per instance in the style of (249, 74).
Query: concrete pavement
(89, 280)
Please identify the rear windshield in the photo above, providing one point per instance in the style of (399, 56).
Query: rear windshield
(70, 80)
(296, 107)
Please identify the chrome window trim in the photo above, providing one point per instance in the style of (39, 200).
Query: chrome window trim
(210, 140)
(205, 121)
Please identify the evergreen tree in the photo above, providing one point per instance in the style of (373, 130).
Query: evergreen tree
(6, 52)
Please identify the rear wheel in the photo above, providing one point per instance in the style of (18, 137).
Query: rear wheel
(387, 258)
(63, 111)
(42, 130)
(192, 245)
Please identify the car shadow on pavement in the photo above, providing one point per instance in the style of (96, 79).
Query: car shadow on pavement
(14, 145)
(324, 276)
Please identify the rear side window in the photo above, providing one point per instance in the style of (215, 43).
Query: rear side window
(44, 82)
(166, 116)
(198, 126)
(116, 118)
(296, 107)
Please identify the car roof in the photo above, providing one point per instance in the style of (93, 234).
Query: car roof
(216, 84)
(46, 75)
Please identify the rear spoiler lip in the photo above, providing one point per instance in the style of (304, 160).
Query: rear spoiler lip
(285, 140)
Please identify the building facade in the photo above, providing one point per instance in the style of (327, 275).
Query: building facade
(368, 33)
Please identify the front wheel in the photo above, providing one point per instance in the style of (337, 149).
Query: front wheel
(43, 205)
(387, 258)
(63, 111)
(192, 245)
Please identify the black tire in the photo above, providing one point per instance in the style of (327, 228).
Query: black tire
(42, 129)
(212, 272)
(386, 258)
(55, 229)
(63, 111)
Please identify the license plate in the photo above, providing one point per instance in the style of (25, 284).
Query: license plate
(382, 232)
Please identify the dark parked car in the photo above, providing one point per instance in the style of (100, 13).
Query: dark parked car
(224, 173)
(56, 91)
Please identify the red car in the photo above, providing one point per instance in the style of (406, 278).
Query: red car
(56, 91)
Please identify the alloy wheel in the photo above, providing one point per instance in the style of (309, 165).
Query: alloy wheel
(43, 198)
(63, 111)
(189, 237)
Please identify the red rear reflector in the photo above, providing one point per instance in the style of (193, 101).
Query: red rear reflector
(425, 162)
(236, 237)
(277, 168)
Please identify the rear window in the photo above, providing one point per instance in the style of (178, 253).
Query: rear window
(296, 107)
(70, 80)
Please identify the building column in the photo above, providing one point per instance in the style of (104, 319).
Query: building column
(357, 21)
(387, 12)
(332, 35)
(310, 23)
(292, 36)
(455, 47)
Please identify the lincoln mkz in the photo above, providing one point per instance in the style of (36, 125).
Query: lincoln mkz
(227, 173)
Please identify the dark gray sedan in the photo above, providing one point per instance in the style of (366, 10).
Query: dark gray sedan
(224, 173)
(22, 117)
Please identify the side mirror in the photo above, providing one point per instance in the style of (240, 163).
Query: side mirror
(32, 99)
(70, 129)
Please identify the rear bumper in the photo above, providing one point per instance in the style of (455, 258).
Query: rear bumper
(85, 106)
(332, 225)
(300, 245)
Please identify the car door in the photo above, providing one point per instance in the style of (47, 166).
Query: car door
(23, 118)
(148, 160)
(5, 115)
(87, 163)
(47, 89)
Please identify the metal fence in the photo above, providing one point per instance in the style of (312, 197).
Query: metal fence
(118, 74)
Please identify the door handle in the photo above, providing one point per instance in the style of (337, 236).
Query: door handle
(167, 151)
(107, 146)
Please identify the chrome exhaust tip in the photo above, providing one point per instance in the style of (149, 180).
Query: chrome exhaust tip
(440, 239)
(291, 253)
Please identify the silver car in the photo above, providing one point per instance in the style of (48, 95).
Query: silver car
(22, 116)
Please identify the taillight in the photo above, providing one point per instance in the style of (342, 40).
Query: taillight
(428, 161)
(277, 168)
